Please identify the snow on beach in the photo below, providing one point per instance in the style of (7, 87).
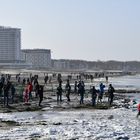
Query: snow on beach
(71, 124)
(83, 124)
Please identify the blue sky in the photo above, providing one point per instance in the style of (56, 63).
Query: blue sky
(77, 29)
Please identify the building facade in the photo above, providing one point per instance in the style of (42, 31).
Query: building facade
(10, 44)
(39, 58)
(64, 64)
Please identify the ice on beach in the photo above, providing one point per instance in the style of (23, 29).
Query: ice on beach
(82, 124)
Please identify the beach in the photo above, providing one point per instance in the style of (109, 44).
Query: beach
(70, 120)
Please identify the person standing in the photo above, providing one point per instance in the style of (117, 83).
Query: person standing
(75, 87)
(23, 81)
(26, 95)
(6, 93)
(93, 92)
(46, 79)
(1, 88)
(13, 90)
(59, 93)
(102, 86)
(68, 90)
(2, 79)
(30, 88)
(81, 91)
(111, 91)
(40, 93)
(106, 79)
(36, 89)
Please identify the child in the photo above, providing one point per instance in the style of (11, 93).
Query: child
(26, 96)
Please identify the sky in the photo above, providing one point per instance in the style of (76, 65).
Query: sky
(77, 29)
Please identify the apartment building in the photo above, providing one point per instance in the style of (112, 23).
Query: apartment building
(39, 58)
(10, 44)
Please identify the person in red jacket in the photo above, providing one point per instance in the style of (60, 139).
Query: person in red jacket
(138, 110)
(30, 88)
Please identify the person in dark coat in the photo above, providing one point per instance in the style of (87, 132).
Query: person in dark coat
(28, 80)
(2, 79)
(23, 81)
(36, 89)
(40, 93)
(111, 91)
(59, 93)
(75, 87)
(13, 90)
(68, 90)
(1, 87)
(93, 92)
(81, 91)
(6, 93)
(46, 79)
(19, 79)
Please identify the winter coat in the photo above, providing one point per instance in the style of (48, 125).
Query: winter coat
(139, 107)
(93, 93)
(30, 87)
(111, 91)
(102, 88)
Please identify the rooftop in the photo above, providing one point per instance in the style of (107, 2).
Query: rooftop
(7, 27)
(36, 50)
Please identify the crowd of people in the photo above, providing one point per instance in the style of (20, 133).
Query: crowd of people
(8, 89)
(31, 84)
(79, 89)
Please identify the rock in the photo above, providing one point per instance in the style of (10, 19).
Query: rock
(35, 135)
(28, 109)
(75, 120)
(10, 123)
(32, 108)
(58, 123)
(127, 100)
(110, 117)
(126, 106)
(76, 138)
(123, 138)
(8, 111)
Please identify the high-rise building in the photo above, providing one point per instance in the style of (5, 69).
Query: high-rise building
(10, 44)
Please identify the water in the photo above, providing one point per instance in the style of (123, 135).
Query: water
(83, 124)
(123, 82)
(129, 82)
